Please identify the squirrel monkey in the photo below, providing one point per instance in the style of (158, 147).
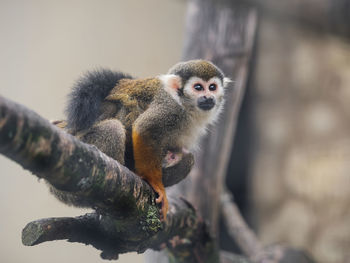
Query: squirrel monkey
(149, 123)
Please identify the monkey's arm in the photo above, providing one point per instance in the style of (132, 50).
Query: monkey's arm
(148, 165)
(150, 135)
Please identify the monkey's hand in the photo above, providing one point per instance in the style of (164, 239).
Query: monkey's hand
(162, 198)
(173, 157)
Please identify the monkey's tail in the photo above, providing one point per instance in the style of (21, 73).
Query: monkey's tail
(87, 95)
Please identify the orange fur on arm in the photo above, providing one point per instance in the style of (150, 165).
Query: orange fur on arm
(148, 167)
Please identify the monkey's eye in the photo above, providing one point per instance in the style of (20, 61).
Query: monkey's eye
(198, 87)
(212, 87)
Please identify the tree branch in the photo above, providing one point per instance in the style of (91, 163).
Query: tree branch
(183, 229)
(73, 166)
(126, 217)
(248, 242)
(237, 227)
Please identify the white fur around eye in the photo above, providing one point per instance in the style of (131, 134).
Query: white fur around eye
(219, 85)
(188, 88)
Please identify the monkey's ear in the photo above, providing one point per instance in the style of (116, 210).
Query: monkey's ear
(227, 81)
(171, 84)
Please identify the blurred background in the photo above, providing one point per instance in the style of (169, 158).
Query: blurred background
(289, 169)
(44, 47)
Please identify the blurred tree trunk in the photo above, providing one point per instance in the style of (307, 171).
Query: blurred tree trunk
(224, 33)
(227, 40)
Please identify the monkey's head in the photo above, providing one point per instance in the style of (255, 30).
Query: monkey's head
(197, 85)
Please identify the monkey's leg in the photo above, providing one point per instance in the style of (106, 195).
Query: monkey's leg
(148, 166)
(109, 137)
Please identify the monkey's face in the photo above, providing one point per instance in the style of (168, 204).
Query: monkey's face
(198, 86)
(204, 96)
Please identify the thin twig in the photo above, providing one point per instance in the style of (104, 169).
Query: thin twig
(238, 228)
(248, 242)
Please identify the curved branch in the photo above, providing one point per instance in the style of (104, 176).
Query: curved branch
(126, 217)
(183, 231)
(73, 166)
(238, 228)
(248, 241)
(67, 163)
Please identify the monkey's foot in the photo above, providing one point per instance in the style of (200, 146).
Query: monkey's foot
(171, 159)
(165, 206)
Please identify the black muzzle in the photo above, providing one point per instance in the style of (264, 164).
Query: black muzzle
(205, 103)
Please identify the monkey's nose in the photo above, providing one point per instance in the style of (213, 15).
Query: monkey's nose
(205, 103)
